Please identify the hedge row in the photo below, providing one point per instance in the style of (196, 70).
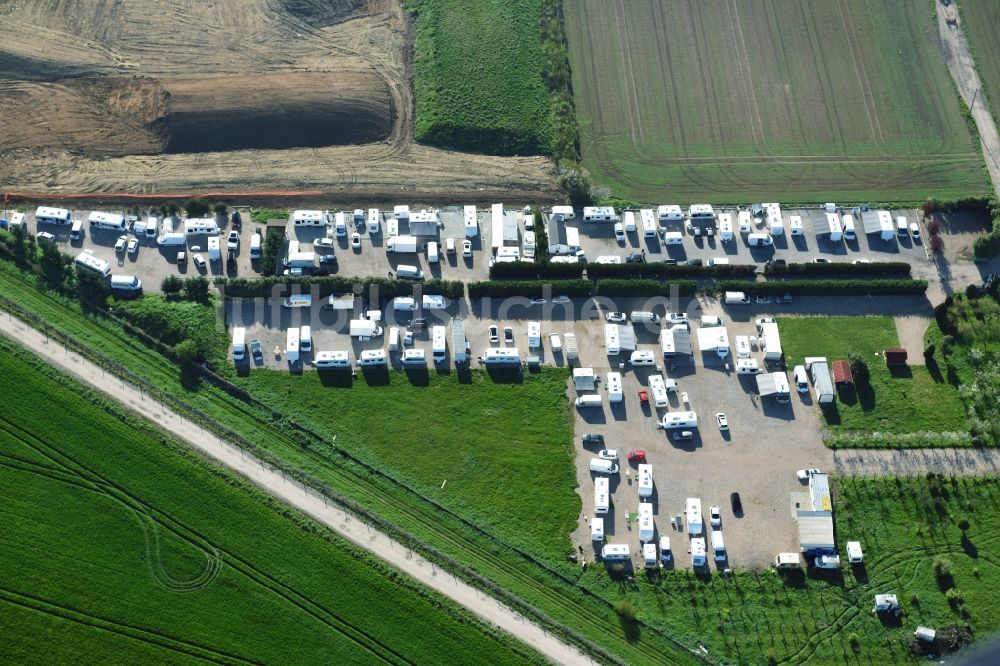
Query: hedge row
(333, 284)
(529, 270)
(883, 268)
(826, 287)
(666, 271)
(530, 288)
(620, 287)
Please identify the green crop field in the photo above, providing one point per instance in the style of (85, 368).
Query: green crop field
(846, 100)
(121, 546)
(477, 76)
(912, 401)
(981, 22)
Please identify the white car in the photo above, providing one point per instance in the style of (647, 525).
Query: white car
(449, 245)
(508, 335)
(494, 333)
(46, 236)
(561, 299)
(676, 318)
(199, 260)
(619, 232)
(234, 240)
(723, 422)
(356, 241)
(133, 245)
(608, 454)
(915, 231)
(121, 243)
(323, 242)
(804, 474)
(715, 516)
(466, 248)
(616, 317)
(538, 301)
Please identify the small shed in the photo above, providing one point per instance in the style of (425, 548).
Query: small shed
(821, 382)
(886, 603)
(895, 356)
(925, 634)
(842, 376)
(584, 379)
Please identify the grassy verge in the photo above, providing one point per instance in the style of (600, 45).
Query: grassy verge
(917, 399)
(478, 76)
(121, 543)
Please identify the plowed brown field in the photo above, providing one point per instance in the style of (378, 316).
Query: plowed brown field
(102, 96)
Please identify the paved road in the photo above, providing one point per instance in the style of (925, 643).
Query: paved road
(378, 543)
(958, 56)
(915, 462)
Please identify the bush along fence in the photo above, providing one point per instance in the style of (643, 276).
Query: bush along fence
(530, 270)
(645, 288)
(874, 269)
(530, 288)
(668, 271)
(387, 288)
(899, 287)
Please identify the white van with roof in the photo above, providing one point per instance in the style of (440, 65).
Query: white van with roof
(126, 283)
(589, 401)
(404, 304)
(297, 301)
(801, 378)
(721, 261)
(406, 272)
(76, 231)
(847, 222)
(665, 554)
(239, 343)
(644, 317)
(718, 546)
(902, 228)
(305, 339)
(332, 359)
(602, 466)
(255, 246)
(340, 224)
(433, 256)
(394, 338)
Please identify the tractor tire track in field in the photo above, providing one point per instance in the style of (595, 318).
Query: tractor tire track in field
(149, 525)
(631, 92)
(865, 86)
(153, 638)
(746, 78)
(272, 481)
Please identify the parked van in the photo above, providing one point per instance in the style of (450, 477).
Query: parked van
(602, 466)
(643, 317)
(902, 228)
(801, 378)
(710, 321)
(405, 272)
(340, 224)
(126, 283)
(414, 357)
(394, 339)
(721, 261)
(718, 546)
(665, 554)
(788, 561)
(298, 301)
(239, 343)
(404, 303)
(759, 240)
(848, 225)
(76, 232)
(642, 358)
(371, 358)
(628, 218)
(673, 238)
(152, 227)
(332, 359)
(589, 401)
(432, 253)
(255, 246)
(305, 339)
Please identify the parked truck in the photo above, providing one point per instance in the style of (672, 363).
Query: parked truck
(365, 329)
(402, 244)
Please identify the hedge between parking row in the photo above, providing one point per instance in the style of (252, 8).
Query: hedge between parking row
(877, 269)
(334, 284)
(530, 270)
(634, 287)
(530, 288)
(826, 287)
(668, 271)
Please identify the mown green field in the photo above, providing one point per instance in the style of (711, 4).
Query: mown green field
(903, 525)
(774, 100)
(912, 401)
(477, 76)
(981, 21)
(122, 546)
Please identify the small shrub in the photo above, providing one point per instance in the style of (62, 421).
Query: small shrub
(196, 208)
(937, 244)
(859, 368)
(915, 600)
(626, 610)
(942, 566)
(855, 642)
(955, 597)
(963, 524)
(933, 227)
(172, 285)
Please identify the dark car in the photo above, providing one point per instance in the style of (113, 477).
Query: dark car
(419, 322)
(695, 262)
(231, 261)
(635, 258)
(256, 352)
(737, 503)
(776, 262)
(592, 438)
(328, 259)
(669, 262)
(237, 221)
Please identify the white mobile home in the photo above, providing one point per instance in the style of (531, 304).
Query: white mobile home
(612, 343)
(692, 515)
(701, 213)
(372, 357)
(439, 343)
(414, 357)
(886, 227)
(646, 528)
(401, 212)
(675, 340)
(292, 344)
(109, 221)
(471, 222)
(615, 551)
(775, 223)
(746, 221)
(795, 227)
(628, 221)
(332, 359)
(213, 249)
(615, 393)
(459, 343)
(602, 494)
(822, 382)
(374, 221)
(645, 480)
(597, 529)
(747, 366)
(658, 390)
(833, 227)
(599, 214)
(534, 334)
(239, 343)
(46, 215)
(194, 226)
(725, 227)
(714, 339)
(87, 261)
(679, 420)
(770, 341)
(501, 356)
(648, 218)
(742, 346)
(572, 351)
(566, 211)
(309, 218)
(698, 552)
(670, 213)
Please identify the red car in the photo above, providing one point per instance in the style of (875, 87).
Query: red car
(643, 398)
(637, 456)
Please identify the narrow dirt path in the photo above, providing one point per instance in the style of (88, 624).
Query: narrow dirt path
(914, 462)
(958, 57)
(274, 482)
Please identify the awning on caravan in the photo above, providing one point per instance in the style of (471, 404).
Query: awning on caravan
(584, 379)
(626, 338)
(815, 531)
(682, 339)
(766, 384)
(869, 219)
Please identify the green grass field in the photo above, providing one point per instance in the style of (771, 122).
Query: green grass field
(981, 21)
(501, 454)
(846, 100)
(914, 401)
(477, 76)
(122, 546)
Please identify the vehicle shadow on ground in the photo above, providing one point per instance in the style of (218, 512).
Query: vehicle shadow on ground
(337, 378)
(376, 376)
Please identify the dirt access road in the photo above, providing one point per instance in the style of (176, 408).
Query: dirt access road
(378, 543)
(958, 57)
(180, 96)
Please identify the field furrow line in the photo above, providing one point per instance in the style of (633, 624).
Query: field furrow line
(631, 93)
(746, 78)
(865, 86)
(677, 135)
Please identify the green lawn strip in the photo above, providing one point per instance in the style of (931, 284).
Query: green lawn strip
(898, 402)
(548, 586)
(112, 524)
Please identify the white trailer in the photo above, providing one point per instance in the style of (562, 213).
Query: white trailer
(615, 393)
(833, 227)
(572, 352)
(615, 551)
(698, 552)
(692, 515)
(646, 528)
(887, 230)
(195, 226)
(459, 343)
(795, 227)
(602, 494)
(770, 341)
(673, 420)
(88, 261)
(308, 218)
(534, 334)
(612, 343)
(658, 390)
(648, 218)
(46, 215)
(496, 226)
(401, 212)
(670, 213)
(566, 211)
(725, 227)
(746, 221)
(501, 356)
(471, 222)
(650, 559)
(374, 221)
(292, 344)
(214, 254)
(439, 343)
(742, 346)
(645, 480)
(599, 214)
(597, 529)
(109, 221)
(775, 223)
